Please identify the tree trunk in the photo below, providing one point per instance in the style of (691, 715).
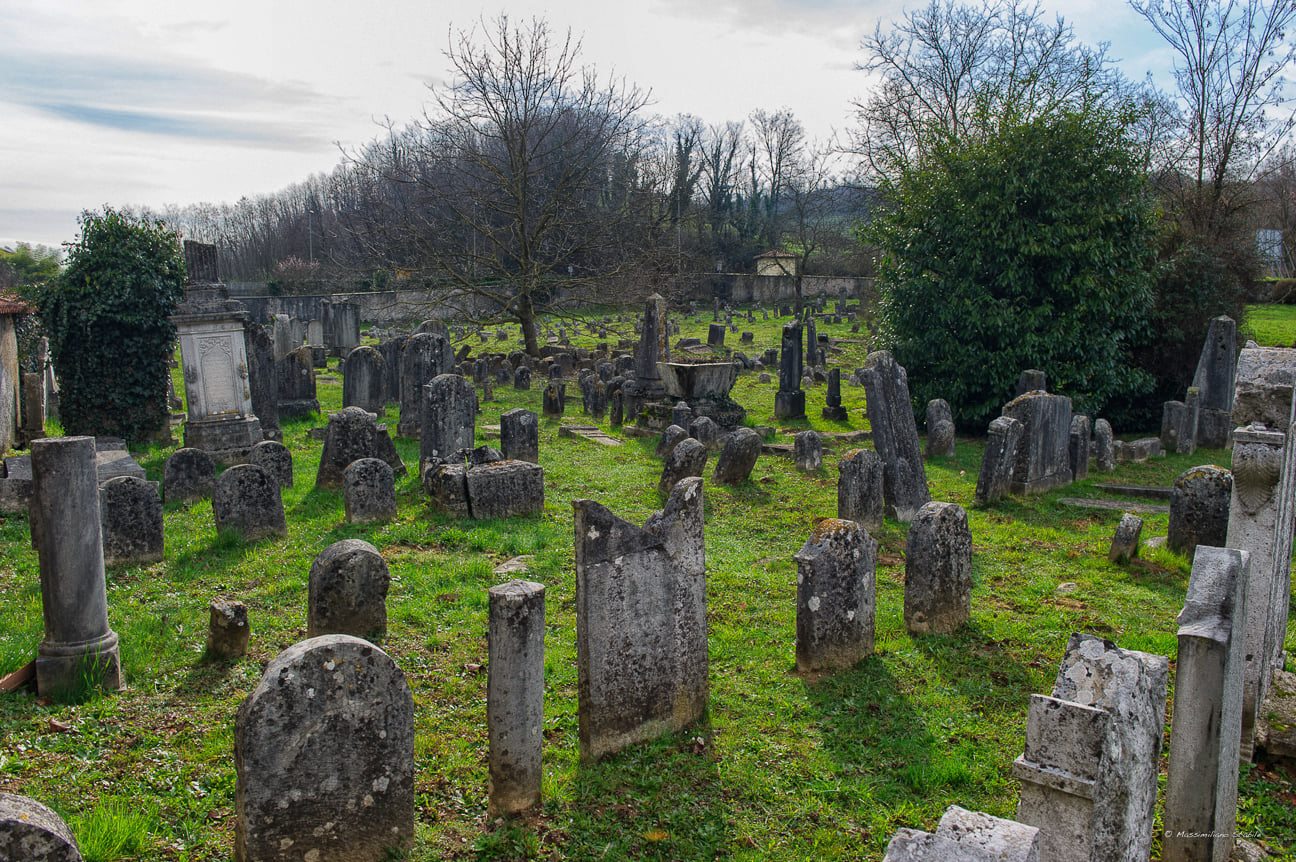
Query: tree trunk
(799, 300)
(526, 317)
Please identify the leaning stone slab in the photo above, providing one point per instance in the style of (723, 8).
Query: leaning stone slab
(1000, 459)
(835, 596)
(938, 570)
(188, 475)
(300, 794)
(641, 634)
(742, 447)
(1125, 542)
(30, 832)
(1217, 368)
(895, 435)
(1044, 454)
(247, 502)
(1205, 738)
(515, 695)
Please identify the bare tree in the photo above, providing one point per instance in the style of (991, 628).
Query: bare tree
(777, 145)
(811, 210)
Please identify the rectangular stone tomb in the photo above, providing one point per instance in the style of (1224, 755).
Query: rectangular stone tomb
(590, 433)
(111, 460)
(499, 489)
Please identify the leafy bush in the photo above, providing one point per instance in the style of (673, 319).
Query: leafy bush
(1031, 248)
(108, 320)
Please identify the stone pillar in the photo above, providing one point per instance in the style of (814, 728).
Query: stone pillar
(833, 408)
(79, 649)
(1078, 450)
(1215, 380)
(995, 480)
(789, 401)
(515, 695)
(228, 631)
(1201, 793)
(1104, 446)
(835, 596)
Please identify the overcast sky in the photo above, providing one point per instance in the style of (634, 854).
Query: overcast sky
(158, 101)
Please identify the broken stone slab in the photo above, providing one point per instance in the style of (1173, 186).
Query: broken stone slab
(499, 489)
(1000, 459)
(519, 565)
(30, 832)
(1153, 492)
(1114, 506)
(592, 433)
(895, 435)
(1125, 542)
(228, 631)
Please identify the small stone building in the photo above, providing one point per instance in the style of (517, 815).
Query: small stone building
(776, 263)
(11, 308)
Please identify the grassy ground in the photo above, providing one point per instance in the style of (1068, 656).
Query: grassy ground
(1271, 325)
(785, 767)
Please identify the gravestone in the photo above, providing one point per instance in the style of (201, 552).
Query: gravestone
(999, 461)
(275, 459)
(807, 451)
(299, 794)
(188, 475)
(424, 357)
(391, 351)
(681, 414)
(554, 401)
(716, 335)
(297, 396)
(263, 379)
(30, 832)
(283, 338)
(859, 488)
(364, 380)
(1125, 542)
(1199, 509)
(940, 429)
(641, 633)
(131, 512)
(369, 491)
(966, 836)
(246, 501)
(835, 596)
(32, 424)
(738, 457)
(686, 459)
(353, 434)
(1205, 736)
(497, 489)
(895, 435)
(704, 430)
(1178, 428)
(449, 418)
(1044, 453)
(348, 591)
(515, 695)
(522, 378)
(1078, 448)
(938, 570)
(789, 401)
(670, 438)
(341, 326)
(228, 631)
(79, 652)
(1104, 446)
(520, 435)
(1031, 380)
(833, 408)
(1215, 381)
(646, 386)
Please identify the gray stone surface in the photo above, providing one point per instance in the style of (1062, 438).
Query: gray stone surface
(687, 458)
(1044, 453)
(348, 591)
(940, 429)
(188, 475)
(520, 435)
(895, 435)
(1217, 369)
(247, 502)
(1179, 427)
(1199, 509)
(424, 356)
(1125, 541)
(276, 459)
(859, 488)
(1205, 737)
(742, 447)
(1265, 378)
(994, 482)
(1078, 448)
(807, 451)
(1031, 380)
(505, 489)
(300, 794)
(836, 596)
(938, 570)
(79, 650)
(641, 634)
(369, 491)
(30, 832)
(353, 434)
(449, 418)
(789, 401)
(1005, 840)
(515, 695)
(364, 380)
(297, 396)
(131, 514)
(1104, 446)
(228, 630)
(670, 438)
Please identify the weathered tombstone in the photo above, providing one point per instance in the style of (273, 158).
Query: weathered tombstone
(1125, 541)
(1000, 459)
(494, 489)
(553, 403)
(616, 408)
(228, 631)
(520, 435)
(789, 401)
(1104, 446)
(283, 339)
(300, 795)
(391, 352)
(1178, 428)
(424, 357)
(687, 458)
(1089, 774)
(859, 488)
(131, 512)
(297, 396)
(670, 438)
(641, 636)
(188, 475)
(938, 570)
(32, 426)
(353, 434)
(1215, 380)
(895, 435)
(681, 414)
(263, 378)
(1044, 453)
(276, 459)
(515, 695)
(1205, 736)
(812, 342)
(833, 408)
(940, 429)
(369, 491)
(716, 335)
(1031, 380)
(807, 451)
(79, 651)
(705, 430)
(449, 418)
(30, 832)
(1078, 448)
(246, 501)
(522, 377)
(966, 836)
(364, 380)
(348, 591)
(1199, 509)
(738, 457)
(835, 596)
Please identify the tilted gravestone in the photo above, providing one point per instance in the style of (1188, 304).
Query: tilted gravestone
(353, 434)
(1000, 459)
(369, 491)
(188, 475)
(1125, 541)
(131, 512)
(835, 596)
(807, 451)
(300, 794)
(364, 380)
(348, 591)
(938, 570)
(247, 502)
(30, 832)
(1044, 453)
(670, 438)
(641, 636)
(859, 488)
(742, 447)
(687, 458)
(515, 695)
(1199, 509)
(895, 435)
(276, 459)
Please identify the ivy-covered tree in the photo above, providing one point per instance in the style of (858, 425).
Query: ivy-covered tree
(108, 321)
(1028, 248)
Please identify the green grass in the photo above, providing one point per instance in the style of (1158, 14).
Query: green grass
(1271, 325)
(784, 767)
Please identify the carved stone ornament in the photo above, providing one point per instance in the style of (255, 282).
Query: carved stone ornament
(1256, 468)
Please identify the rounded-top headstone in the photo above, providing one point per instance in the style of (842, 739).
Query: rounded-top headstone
(247, 502)
(30, 832)
(738, 457)
(277, 460)
(188, 475)
(348, 591)
(131, 514)
(1199, 509)
(369, 491)
(324, 752)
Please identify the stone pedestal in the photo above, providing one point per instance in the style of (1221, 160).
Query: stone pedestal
(515, 694)
(79, 650)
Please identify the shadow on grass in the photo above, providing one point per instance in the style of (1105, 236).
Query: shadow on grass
(979, 668)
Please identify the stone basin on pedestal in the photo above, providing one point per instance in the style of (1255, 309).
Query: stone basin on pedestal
(705, 387)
